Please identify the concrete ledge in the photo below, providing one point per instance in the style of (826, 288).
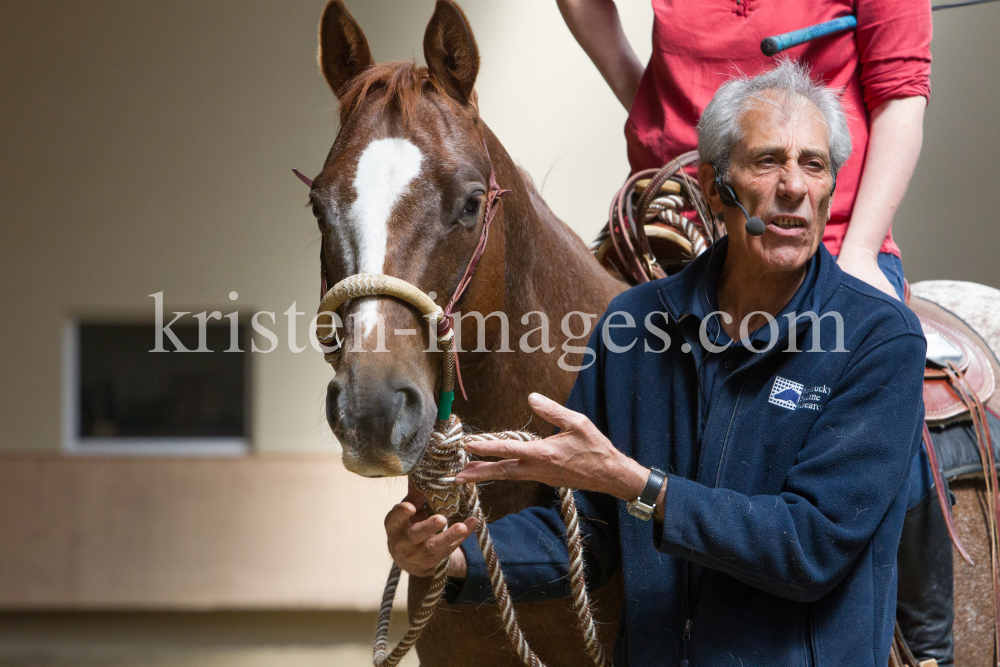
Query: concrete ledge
(258, 532)
(191, 639)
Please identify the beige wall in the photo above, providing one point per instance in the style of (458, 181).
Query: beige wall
(147, 147)
(253, 533)
(946, 226)
(201, 639)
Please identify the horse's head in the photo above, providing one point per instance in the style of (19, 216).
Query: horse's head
(402, 193)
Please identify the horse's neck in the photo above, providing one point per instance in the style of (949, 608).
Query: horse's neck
(551, 270)
(548, 269)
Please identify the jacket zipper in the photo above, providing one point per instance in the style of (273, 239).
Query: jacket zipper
(686, 637)
(686, 645)
(725, 442)
(810, 646)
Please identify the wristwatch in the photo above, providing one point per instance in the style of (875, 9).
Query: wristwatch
(644, 506)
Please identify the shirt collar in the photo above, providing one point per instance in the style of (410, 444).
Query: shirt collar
(692, 291)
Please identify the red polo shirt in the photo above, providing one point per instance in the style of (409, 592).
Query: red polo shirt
(700, 44)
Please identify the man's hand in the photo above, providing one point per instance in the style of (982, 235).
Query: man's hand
(863, 265)
(418, 543)
(578, 457)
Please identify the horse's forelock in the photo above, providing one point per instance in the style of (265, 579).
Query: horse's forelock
(401, 83)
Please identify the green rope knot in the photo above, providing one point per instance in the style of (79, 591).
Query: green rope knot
(444, 404)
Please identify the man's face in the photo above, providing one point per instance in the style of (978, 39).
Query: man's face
(781, 173)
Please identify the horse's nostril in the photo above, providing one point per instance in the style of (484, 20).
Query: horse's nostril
(333, 411)
(408, 406)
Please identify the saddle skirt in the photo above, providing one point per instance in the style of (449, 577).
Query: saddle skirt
(947, 415)
(949, 338)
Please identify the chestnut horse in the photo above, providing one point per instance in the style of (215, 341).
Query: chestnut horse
(402, 193)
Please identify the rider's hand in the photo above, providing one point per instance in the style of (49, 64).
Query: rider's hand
(863, 265)
(418, 543)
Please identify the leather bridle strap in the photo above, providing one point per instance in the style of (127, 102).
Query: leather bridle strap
(322, 262)
(492, 206)
(942, 495)
(446, 323)
(977, 412)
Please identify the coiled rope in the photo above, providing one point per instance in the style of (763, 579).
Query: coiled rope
(435, 476)
(665, 205)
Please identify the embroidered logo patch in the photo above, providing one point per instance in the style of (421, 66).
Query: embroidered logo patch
(785, 393)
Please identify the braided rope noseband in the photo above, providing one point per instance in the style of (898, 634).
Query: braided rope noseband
(435, 475)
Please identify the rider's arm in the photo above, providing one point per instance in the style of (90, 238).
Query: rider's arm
(596, 26)
(893, 148)
(893, 38)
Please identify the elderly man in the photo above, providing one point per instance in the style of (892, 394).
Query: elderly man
(749, 478)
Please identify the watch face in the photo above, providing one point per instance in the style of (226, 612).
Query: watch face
(640, 510)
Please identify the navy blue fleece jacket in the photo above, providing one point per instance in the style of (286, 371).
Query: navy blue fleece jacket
(784, 506)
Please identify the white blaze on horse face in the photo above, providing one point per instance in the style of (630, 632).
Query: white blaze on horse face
(385, 169)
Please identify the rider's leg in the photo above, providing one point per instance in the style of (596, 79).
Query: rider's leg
(925, 599)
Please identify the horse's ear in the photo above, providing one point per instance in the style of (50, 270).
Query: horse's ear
(451, 52)
(343, 49)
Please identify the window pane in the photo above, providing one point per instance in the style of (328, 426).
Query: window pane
(128, 391)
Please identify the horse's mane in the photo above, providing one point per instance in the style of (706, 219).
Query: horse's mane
(402, 82)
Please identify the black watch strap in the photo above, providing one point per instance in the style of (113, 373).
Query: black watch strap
(653, 486)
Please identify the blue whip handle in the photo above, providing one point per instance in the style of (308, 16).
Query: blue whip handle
(774, 45)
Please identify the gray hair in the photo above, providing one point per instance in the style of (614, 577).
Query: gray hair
(719, 129)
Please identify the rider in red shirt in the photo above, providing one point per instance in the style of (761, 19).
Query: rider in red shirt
(883, 67)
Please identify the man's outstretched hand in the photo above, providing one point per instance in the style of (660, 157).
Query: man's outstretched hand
(578, 457)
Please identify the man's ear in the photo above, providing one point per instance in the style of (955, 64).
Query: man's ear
(706, 179)
(343, 49)
(451, 52)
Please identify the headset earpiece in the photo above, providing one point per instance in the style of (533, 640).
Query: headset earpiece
(754, 226)
(726, 193)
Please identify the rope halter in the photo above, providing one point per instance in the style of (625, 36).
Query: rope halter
(435, 475)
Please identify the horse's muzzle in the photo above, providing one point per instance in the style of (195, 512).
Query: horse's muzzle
(383, 430)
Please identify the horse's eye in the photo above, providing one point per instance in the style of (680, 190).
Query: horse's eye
(318, 212)
(471, 207)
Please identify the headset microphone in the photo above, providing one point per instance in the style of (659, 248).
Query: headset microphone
(754, 226)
